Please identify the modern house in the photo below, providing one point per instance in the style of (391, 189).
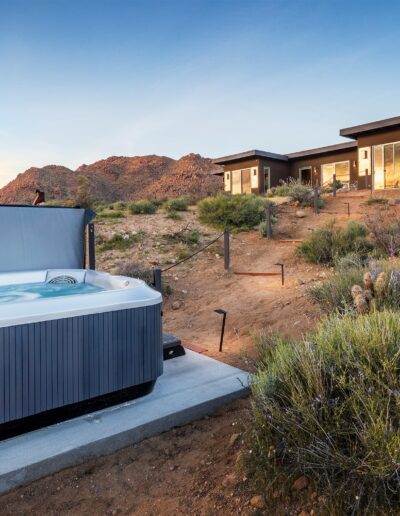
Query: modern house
(370, 160)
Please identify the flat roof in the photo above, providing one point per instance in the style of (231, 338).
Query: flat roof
(323, 150)
(371, 127)
(249, 154)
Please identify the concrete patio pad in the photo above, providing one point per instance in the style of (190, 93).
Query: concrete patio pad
(191, 387)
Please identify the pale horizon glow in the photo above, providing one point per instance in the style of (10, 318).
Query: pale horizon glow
(81, 81)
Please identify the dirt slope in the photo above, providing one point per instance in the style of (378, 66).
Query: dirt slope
(118, 178)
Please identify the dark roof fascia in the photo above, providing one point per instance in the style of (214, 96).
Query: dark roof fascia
(249, 154)
(371, 127)
(322, 150)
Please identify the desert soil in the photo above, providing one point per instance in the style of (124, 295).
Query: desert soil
(193, 469)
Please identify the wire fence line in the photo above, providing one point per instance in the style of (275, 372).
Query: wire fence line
(193, 254)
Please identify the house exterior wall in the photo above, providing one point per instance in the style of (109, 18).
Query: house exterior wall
(360, 159)
(278, 169)
(316, 162)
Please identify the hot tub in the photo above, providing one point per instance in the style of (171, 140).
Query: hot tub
(73, 338)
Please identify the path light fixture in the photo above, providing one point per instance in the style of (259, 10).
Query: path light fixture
(222, 312)
(282, 266)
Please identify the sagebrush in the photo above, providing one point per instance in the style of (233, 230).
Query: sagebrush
(328, 407)
(331, 242)
(237, 212)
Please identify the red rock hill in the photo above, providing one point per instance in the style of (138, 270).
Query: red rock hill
(118, 178)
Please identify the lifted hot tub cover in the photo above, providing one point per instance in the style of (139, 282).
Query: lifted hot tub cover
(42, 237)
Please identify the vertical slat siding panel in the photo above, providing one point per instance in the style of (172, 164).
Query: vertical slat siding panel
(2, 377)
(19, 359)
(55, 363)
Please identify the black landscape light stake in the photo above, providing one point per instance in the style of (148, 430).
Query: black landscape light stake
(222, 312)
(282, 266)
(348, 208)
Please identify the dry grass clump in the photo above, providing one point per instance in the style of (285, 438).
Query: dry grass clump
(328, 407)
(384, 228)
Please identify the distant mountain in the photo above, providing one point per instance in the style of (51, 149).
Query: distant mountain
(118, 178)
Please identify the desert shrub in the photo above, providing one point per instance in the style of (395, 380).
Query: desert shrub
(109, 214)
(377, 200)
(282, 190)
(240, 212)
(336, 292)
(302, 194)
(173, 215)
(119, 205)
(328, 407)
(178, 204)
(183, 252)
(119, 241)
(186, 236)
(142, 207)
(330, 242)
(83, 194)
(384, 226)
(137, 270)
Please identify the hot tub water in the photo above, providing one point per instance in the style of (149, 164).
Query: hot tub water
(31, 291)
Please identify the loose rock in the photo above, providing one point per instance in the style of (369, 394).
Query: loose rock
(258, 502)
(233, 439)
(300, 214)
(300, 483)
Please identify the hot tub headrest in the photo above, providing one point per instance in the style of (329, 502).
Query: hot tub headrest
(42, 237)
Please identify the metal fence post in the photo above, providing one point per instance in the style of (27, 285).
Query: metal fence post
(334, 185)
(157, 279)
(268, 220)
(227, 256)
(316, 207)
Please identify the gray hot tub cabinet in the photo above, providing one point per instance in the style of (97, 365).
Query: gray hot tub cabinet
(50, 366)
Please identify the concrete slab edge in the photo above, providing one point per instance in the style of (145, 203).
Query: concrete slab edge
(114, 442)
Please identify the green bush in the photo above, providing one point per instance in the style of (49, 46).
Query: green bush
(240, 212)
(173, 215)
(119, 205)
(335, 293)
(377, 200)
(282, 190)
(328, 407)
(330, 242)
(119, 242)
(106, 214)
(303, 194)
(178, 204)
(143, 207)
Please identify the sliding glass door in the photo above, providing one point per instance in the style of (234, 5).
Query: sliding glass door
(387, 166)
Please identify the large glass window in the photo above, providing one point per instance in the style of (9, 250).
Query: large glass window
(379, 181)
(387, 165)
(341, 169)
(236, 181)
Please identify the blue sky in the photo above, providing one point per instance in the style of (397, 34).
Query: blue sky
(81, 80)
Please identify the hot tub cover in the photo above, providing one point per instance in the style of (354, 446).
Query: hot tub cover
(42, 237)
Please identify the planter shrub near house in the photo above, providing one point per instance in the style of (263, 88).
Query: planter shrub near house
(328, 407)
(240, 212)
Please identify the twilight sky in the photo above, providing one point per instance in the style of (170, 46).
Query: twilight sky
(81, 80)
